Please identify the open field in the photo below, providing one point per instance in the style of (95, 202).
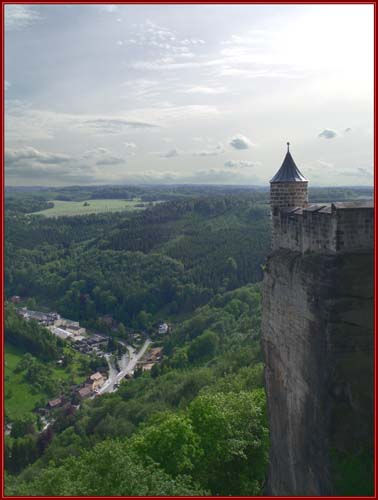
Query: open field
(72, 208)
(19, 398)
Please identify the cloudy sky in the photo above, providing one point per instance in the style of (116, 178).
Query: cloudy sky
(115, 94)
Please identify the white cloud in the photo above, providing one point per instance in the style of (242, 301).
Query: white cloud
(149, 34)
(210, 176)
(170, 63)
(325, 164)
(220, 176)
(240, 142)
(327, 134)
(19, 16)
(241, 164)
(192, 41)
(108, 8)
(198, 89)
(102, 156)
(130, 145)
(211, 151)
(165, 114)
(94, 153)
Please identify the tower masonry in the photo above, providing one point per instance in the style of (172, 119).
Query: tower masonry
(288, 188)
(319, 227)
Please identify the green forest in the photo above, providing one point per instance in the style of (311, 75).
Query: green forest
(196, 424)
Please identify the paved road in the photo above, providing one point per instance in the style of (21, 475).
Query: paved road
(127, 365)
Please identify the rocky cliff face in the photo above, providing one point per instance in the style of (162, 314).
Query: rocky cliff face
(317, 338)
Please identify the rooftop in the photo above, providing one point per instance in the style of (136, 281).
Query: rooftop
(55, 402)
(85, 391)
(288, 172)
(329, 207)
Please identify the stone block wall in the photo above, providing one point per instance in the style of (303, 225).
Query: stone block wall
(287, 231)
(288, 194)
(328, 228)
(319, 231)
(355, 229)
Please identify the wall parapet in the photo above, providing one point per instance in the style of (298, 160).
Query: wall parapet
(325, 228)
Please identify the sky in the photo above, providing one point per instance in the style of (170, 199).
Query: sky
(199, 94)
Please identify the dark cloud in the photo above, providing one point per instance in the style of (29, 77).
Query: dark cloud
(115, 125)
(365, 172)
(40, 176)
(359, 172)
(110, 160)
(348, 129)
(29, 172)
(170, 154)
(17, 156)
(211, 176)
(327, 134)
(240, 142)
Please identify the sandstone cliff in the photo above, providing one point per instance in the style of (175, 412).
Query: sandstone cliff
(317, 338)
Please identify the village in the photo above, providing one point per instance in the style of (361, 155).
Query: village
(137, 357)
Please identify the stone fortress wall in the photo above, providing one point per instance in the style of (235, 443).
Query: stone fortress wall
(317, 335)
(324, 228)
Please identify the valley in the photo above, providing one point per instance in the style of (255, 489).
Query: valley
(192, 415)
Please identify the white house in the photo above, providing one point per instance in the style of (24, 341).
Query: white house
(163, 328)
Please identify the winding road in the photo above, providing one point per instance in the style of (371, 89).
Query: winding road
(127, 364)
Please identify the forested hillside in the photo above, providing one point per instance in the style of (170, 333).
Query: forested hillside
(169, 258)
(195, 424)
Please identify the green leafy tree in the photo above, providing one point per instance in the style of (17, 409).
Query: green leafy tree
(144, 320)
(111, 468)
(122, 331)
(22, 427)
(234, 437)
(171, 442)
(31, 303)
(203, 346)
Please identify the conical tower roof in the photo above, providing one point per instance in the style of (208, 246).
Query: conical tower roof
(288, 172)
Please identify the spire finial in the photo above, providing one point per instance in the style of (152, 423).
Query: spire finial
(288, 146)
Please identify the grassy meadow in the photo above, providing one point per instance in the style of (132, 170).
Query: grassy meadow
(86, 207)
(20, 396)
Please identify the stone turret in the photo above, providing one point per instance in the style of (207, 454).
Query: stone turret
(288, 190)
